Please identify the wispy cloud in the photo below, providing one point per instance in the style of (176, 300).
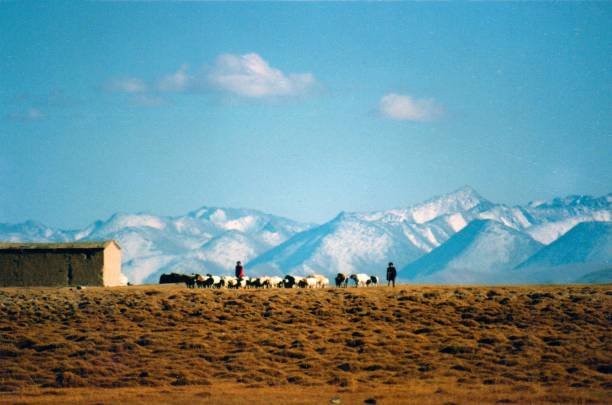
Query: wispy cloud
(177, 82)
(249, 75)
(29, 115)
(130, 85)
(138, 91)
(406, 108)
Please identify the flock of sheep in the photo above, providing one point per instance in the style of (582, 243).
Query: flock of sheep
(311, 281)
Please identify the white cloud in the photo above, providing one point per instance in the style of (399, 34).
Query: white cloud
(247, 75)
(250, 75)
(177, 82)
(31, 114)
(139, 91)
(406, 108)
(131, 85)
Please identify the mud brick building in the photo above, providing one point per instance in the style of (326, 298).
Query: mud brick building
(61, 264)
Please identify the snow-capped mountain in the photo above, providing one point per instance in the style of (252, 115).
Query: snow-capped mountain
(365, 242)
(212, 239)
(482, 252)
(345, 244)
(31, 231)
(204, 240)
(586, 248)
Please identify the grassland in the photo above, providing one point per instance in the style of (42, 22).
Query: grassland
(422, 345)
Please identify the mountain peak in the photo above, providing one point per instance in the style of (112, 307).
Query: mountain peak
(462, 199)
(465, 192)
(459, 231)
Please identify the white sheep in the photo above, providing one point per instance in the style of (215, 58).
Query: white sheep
(230, 281)
(276, 281)
(360, 279)
(374, 280)
(308, 282)
(291, 281)
(212, 281)
(320, 280)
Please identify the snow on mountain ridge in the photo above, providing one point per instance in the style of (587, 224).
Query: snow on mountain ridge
(353, 242)
(482, 252)
(343, 244)
(208, 239)
(586, 242)
(330, 249)
(585, 249)
(459, 200)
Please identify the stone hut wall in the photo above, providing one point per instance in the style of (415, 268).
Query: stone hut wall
(53, 268)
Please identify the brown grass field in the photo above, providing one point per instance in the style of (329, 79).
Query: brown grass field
(413, 345)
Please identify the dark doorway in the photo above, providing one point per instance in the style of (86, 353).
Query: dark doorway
(70, 274)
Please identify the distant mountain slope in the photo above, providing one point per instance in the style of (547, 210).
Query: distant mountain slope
(365, 242)
(211, 239)
(597, 277)
(31, 231)
(587, 242)
(344, 244)
(403, 235)
(585, 249)
(461, 200)
(554, 218)
(482, 252)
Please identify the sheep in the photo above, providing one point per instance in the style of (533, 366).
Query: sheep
(342, 280)
(172, 278)
(323, 281)
(374, 280)
(230, 281)
(265, 282)
(312, 281)
(360, 279)
(298, 280)
(276, 282)
(292, 281)
(260, 282)
(200, 280)
(243, 282)
(190, 281)
(289, 281)
(308, 282)
(212, 281)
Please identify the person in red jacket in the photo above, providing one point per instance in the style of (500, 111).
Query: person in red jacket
(239, 270)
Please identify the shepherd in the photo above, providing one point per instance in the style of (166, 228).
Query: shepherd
(391, 274)
(239, 270)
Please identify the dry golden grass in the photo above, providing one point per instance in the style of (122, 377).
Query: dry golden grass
(404, 345)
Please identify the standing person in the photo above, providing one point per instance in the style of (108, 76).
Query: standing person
(239, 270)
(391, 274)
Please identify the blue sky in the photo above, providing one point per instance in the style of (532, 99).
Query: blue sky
(301, 110)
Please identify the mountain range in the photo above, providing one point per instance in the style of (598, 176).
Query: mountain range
(459, 237)
(482, 252)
